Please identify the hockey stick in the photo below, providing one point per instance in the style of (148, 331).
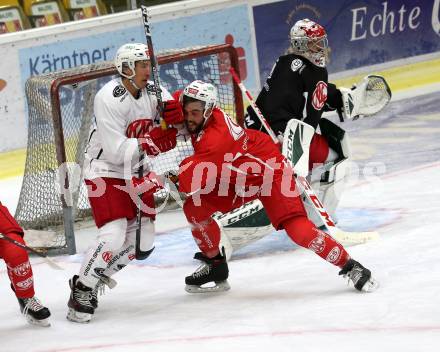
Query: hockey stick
(139, 254)
(49, 261)
(154, 68)
(338, 234)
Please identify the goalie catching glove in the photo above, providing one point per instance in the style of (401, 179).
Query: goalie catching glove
(368, 97)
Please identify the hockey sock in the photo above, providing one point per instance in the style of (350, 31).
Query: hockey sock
(94, 263)
(302, 231)
(126, 253)
(207, 236)
(19, 268)
(111, 238)
(121, 258)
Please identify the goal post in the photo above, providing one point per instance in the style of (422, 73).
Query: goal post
(53, 198)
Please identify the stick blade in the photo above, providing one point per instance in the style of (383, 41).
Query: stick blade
(353, 238)
(52, 264)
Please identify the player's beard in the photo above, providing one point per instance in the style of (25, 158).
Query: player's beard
(194, 128)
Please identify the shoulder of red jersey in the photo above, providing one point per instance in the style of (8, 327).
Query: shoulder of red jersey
(219, 132)
(226, 126)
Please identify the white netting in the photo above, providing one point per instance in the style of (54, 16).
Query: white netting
(54, 139)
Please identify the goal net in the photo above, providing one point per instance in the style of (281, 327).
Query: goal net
(53, 199)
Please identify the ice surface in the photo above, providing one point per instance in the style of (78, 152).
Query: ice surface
(283, 298)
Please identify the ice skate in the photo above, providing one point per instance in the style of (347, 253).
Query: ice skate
(359, 276)
(213, 270)
(100, 289)
(80, 305)
(34, 311)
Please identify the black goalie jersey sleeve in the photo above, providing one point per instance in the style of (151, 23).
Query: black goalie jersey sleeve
(295, 89)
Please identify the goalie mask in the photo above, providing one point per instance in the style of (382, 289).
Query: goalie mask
(127, 55)
(309, 39)
(202, 91)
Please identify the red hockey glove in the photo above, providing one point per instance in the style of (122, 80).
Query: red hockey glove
(177, 94)
(148, 184)
(172, 112)
(158, 140)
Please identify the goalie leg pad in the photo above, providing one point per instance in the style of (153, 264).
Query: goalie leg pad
(296, 145)
(331, 185)
(242, 226)
(225, 242)
(329, 180)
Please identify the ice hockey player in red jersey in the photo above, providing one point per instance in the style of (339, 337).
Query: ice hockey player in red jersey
(293, 99)
(20, 270)
(231, 166)
(126, 127)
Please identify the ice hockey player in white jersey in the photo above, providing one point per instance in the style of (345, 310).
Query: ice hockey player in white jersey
(126, 127)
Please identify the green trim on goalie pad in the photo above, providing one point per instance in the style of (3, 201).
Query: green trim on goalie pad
(251, 214)
(333, 133)
(294, 149)
(350, 106)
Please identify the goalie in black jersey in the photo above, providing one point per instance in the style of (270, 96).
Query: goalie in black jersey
(293, 99)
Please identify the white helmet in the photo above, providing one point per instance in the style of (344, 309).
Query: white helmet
(309, 39)
(128, 54)
(202, 91)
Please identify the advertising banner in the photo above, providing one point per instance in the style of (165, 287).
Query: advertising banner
(360, 33)
(55, 52)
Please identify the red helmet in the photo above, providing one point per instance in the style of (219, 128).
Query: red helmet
(309, 40)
